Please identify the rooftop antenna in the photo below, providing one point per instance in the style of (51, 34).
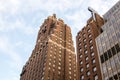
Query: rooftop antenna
(92, 12)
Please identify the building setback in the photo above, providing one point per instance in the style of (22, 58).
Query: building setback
(53, 57)
(87, 56)
(108, 44)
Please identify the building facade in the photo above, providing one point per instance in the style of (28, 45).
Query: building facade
(53, 57)
(108, 44)
(87, 56)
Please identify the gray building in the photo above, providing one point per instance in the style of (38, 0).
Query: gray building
(108, 44)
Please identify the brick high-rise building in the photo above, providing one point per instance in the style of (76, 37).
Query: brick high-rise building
(108, 44)
(87, 56)
(53, 57)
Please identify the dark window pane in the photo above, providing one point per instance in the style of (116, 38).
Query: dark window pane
(113, 51)
(102, 58)
(111, 78)
(117, 47)
(109, 53)
(116, 77)
(106, 57)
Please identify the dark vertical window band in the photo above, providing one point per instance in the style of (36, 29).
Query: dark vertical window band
(109, 53)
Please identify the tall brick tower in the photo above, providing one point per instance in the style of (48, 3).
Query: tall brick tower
(53, 57)
(87, 56)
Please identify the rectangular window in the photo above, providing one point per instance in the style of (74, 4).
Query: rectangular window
(117, 47)
(106, 56)
(109, 53)
(102, 58)
(113, 50)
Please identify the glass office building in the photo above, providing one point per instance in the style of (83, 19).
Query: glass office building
(108, 44)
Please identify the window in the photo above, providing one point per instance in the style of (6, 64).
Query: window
(89, 35)
(84, 35)
(88, 73)
(51, 47)
(59, 63)
(82, 77)
(58, 72)
(53, 65)
(59, 51)
(70, 56)
(96, 77)
(90, 41)
(49, 68)
(94, 69)
(80, 49)
(92, 54)
(50, 55)
(56, 39)
(42, 78)
(86, 51)
(87, 65)
(86, 58)
(91, 47)
(54, 57)
(59, 55)
(69, 68)
(93, 61)
(70, 77)
(102, 59)
(81, 56)
(74, 79)
(49, 63)
(74, 74)
(69, 64)
(60, 41)
(79, 44)
(59, 59)
(69, 72)
(117, 47)
(59, 68)
(84, 40)
(113, 50)
(81, 62)
(85, 46)
(74, 70)
(79, 39)
(88, 30)
(50, 59)
(81, 69)
(106, 56)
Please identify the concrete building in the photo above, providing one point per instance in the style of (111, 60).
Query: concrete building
(53, 57)
(108, 44)
(87, 56)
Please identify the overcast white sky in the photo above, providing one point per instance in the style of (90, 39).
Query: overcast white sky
(20, 21)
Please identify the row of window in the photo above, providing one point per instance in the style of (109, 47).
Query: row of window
(109, 53)
(88, 73)
(82, 69)
(92, 54)
(115, 77)
(87, 31)
(93, 61)
(84, 40)
(91, 47)
(90, 41)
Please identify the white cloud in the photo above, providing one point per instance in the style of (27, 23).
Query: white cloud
(9, 50)
(10, 6)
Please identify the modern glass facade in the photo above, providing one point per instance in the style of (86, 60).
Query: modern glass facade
(108, 44)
